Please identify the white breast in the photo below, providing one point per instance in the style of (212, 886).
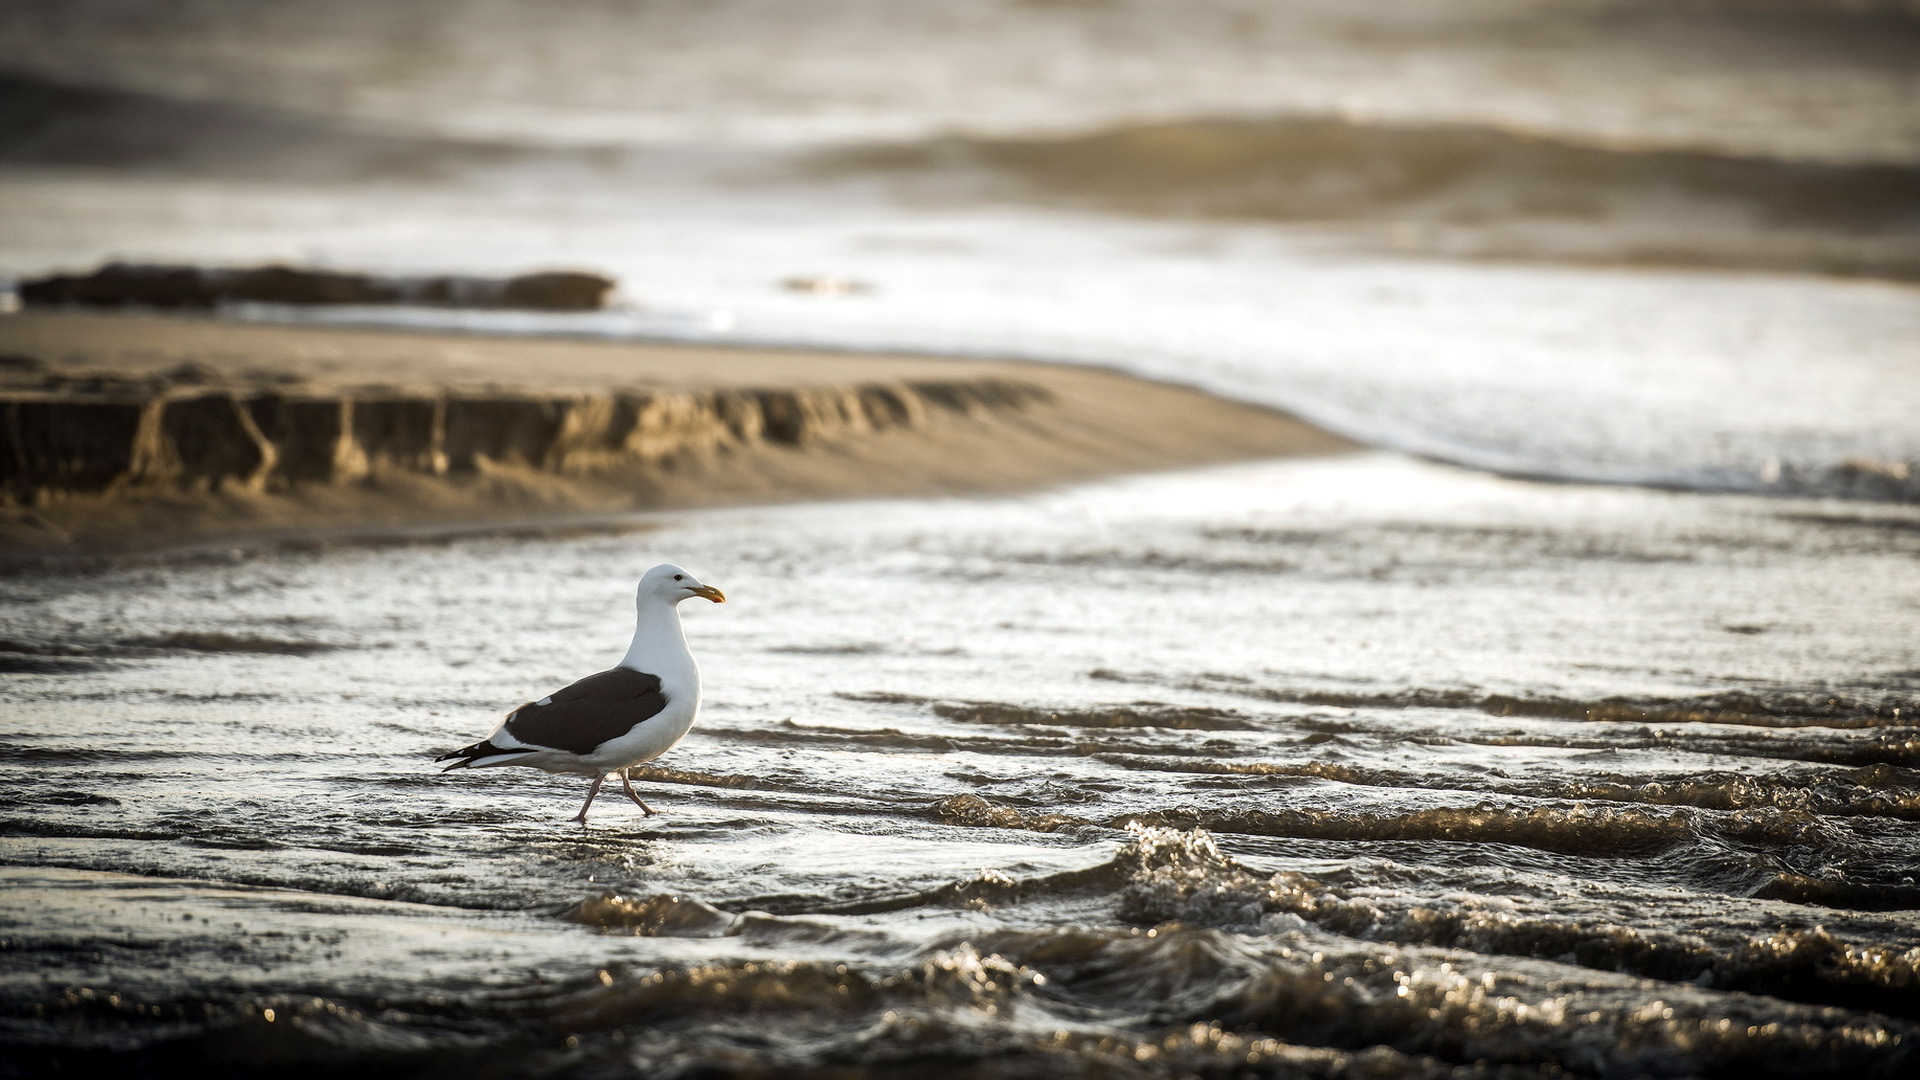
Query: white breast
(653, 736)
(660, 648)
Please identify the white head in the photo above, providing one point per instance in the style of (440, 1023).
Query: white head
(669, 584)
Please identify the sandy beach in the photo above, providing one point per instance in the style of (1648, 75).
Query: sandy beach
(728, 425)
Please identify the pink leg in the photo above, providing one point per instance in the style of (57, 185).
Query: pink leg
(581, 817)
(628, 785)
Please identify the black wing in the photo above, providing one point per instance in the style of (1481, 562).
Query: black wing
(597, 709)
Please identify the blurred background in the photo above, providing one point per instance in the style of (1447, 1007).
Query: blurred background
(1667, 242)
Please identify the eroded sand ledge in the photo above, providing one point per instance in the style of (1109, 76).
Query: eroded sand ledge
(140, 432)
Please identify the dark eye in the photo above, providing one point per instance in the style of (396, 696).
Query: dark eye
(679, 577)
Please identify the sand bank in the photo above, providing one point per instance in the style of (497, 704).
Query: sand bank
(137, 432)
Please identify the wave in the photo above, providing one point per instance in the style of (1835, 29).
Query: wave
(1743, 851)
(1183, 875)
(1164, 875)
(210, 641)
(1145, 714)
(1783, 710)
(1449, 189)
(1816, 729)
(951, 1013)
(1870, 791)
(1168, 959)
(1219, 1011)
(1212, 969)
(30, 657)
(687, 917)
(1897, 748)
(1446, 188)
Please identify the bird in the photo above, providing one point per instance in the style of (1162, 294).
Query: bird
(611, 721)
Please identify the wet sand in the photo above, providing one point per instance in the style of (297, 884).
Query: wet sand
(963, 426)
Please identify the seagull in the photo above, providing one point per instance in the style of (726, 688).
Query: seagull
(607, 723)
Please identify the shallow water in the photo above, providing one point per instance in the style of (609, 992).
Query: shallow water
(1350, 766)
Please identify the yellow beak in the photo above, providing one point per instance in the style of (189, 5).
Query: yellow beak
(710, 593)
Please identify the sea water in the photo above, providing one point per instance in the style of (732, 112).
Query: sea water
(1388, 764)
(1335, 764)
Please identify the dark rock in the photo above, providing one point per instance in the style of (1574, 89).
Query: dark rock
(127, 285)
(121, 285)
(558, 291)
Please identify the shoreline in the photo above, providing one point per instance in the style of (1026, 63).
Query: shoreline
(129, 433)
